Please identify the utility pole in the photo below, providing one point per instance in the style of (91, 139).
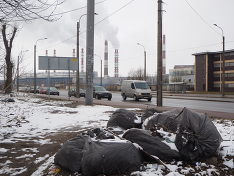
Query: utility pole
(77, 71)
(89, 52)
(159, 63)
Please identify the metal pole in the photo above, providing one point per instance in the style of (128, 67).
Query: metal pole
(101, 72)
(18, 75)
(223, 81)
(223, 67)
(35, 78)
(77, 72)
(89, 52)
(159, 57)
(145, 66)
(69, 78)
(35, 83)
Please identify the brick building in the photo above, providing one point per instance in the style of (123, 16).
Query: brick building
(208, 71)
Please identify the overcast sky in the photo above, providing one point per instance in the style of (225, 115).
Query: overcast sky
(187, 24)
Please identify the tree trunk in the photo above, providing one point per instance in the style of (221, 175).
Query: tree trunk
(9, 64)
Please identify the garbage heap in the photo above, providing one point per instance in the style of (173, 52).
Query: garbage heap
(129, 142)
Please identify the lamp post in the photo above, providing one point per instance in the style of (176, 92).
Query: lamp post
(18, 69)
(35, 51)
(223, 58)
(78, 55)
(101, 68)
(144, 61)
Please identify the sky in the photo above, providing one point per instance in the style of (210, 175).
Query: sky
(35, 119)
(187, 25)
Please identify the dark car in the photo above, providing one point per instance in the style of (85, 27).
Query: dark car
(32, 89)
(100, 92)
(52, 90)
(42, 90)
(72, 92)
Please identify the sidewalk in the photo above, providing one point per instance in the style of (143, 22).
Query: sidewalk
(140, 106)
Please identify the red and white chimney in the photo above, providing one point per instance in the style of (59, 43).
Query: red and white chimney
(54, 53)
(116, 64)
(106, 60)
(164, 55)
(82, 60)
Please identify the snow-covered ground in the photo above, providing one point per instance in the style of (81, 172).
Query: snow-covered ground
(30, 117)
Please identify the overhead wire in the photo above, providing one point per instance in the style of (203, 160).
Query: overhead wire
(94, 24)
(201, 17)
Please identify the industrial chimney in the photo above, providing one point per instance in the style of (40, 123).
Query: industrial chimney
(106, 60)
(82, 60)
(164, 55)
(116, 64)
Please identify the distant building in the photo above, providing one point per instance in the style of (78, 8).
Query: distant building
(175, 75)
(208, 71)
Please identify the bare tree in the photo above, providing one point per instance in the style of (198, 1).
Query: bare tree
(8, 47)
(21, 10)
(136, 74)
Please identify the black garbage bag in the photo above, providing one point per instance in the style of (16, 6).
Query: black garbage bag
(110, 158)
(148, 113)
(198, 138)
(124, 119)
(70, 155)
(153, 145)
(166, 120)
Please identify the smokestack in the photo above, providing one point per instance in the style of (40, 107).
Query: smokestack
(54, 53)
(82, 60)
(116, 64)
(164, 55)
(46, 52)
(73, 53)
(106, 60)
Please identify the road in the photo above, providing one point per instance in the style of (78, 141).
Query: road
(197, 103)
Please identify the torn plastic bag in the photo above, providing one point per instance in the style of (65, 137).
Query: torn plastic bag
(166, 120)
(154, 145)
(198, 138)
(110, 158)
(124, 119)
(70, 155)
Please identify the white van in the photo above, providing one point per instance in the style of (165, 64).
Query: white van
(136, 89)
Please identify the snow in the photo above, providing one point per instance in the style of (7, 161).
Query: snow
(29, 117)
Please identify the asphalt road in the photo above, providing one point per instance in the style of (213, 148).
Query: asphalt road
(213, 106)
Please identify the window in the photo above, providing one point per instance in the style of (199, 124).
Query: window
(216, 65)
(217, 85)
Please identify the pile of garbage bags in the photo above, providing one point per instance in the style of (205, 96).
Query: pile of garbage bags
(130, 141)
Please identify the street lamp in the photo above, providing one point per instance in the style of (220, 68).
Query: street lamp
(144, 61)
(101, 68)
(18, 69)
(35, 50)
(223, 57)
(77, 55)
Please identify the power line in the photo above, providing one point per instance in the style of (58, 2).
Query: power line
(94, 24)
(201, 17)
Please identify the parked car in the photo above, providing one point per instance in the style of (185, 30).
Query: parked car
(32, 89)
(72, 92)
(52, 91)
(42, 90)
(100, 92)
(24, 89)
